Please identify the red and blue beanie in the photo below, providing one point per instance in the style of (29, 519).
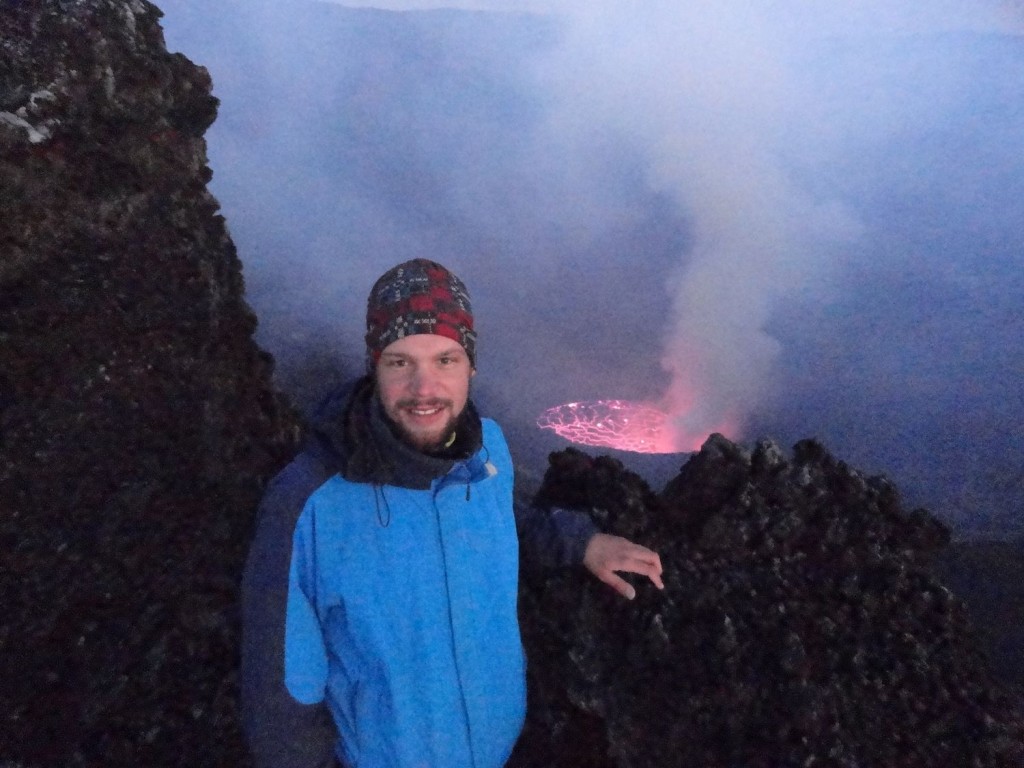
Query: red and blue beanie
(418, 296)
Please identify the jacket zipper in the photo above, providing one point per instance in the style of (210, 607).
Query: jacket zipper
(451, 627)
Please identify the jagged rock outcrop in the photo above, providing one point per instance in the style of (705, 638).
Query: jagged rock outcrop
(138, 419)
(801, 624)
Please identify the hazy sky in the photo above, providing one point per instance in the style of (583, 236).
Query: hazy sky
(869, 14)
(780, 220)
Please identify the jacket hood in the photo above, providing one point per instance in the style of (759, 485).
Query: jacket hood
(352, 435)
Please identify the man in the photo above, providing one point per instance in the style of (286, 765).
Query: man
(379, 597)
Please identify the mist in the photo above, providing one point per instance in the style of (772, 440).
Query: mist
(778, 222)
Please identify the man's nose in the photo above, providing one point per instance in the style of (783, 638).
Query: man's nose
(424, 382)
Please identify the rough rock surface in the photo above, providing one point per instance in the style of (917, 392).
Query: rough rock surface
(801, 624)
(138, 421)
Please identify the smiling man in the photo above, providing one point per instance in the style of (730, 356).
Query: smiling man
(423, 386)
(380, 592)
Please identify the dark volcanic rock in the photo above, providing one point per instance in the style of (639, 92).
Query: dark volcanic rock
(801, 624)
(138, 420)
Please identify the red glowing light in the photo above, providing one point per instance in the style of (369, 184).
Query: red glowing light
(620, 424)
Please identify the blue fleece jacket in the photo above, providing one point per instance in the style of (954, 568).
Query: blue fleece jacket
(379, 599)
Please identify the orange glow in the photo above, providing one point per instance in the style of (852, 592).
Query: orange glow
(624, 425)
(620, 424)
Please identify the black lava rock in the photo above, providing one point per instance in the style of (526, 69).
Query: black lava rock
(801, 624)
(137, 417)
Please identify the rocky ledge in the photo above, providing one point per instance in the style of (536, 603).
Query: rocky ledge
(802, 624)
(137, 417)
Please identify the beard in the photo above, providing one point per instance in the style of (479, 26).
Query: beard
(433, 441)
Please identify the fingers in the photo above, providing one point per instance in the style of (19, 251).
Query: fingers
(607, 554)
(620, 585)
(651, 571)
(640, 560)
(645, 569)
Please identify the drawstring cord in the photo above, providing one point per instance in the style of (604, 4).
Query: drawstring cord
(384, 518)
(487, 465)
(384, 522)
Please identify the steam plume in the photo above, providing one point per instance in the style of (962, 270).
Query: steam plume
(712, 97)
(703, 203)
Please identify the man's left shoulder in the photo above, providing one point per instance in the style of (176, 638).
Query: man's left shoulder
(492, 432)
(495, 444)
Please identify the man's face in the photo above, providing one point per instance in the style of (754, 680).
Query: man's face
(423, 381)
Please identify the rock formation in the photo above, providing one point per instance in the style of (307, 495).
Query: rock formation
(138, 420)
(801, 624)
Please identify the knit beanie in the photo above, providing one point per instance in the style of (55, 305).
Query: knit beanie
(418, 296)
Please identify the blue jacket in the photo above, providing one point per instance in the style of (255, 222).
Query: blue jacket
(380, 599)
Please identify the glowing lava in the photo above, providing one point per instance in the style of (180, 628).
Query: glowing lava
(621, 424)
